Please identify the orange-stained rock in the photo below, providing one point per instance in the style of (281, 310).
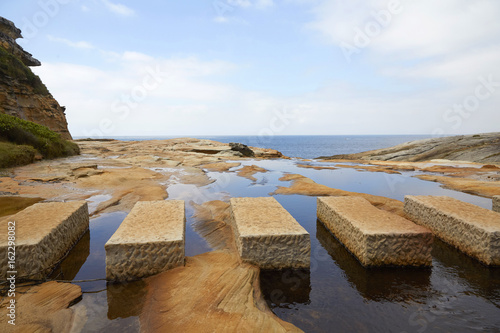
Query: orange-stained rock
(214, 292)
(42, 308)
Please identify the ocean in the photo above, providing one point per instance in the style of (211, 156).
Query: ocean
(306, 146)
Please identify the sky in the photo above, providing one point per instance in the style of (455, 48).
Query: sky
(267, 67)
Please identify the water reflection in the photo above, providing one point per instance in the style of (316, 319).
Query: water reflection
(11, 205)
(125, 299)
(71, 265)
(281, 288)
(484, 281)
(393, 284)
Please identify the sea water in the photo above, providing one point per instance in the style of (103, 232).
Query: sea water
(305, 146)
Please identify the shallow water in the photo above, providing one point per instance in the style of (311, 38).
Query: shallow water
(336, 294)
(12, 205)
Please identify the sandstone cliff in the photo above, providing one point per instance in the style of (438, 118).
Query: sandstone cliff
(22, 93)
(481, 148)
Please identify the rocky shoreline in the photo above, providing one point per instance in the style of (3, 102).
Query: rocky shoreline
(479, 148)
(121, 173)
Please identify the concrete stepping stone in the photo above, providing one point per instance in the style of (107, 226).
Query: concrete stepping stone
(496, 203)
(44, 233)
(268, 236)
(374, 236)
(149, 241)
(471, 229)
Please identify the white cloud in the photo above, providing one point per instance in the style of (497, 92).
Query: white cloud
(118, 8)
(439, 49)
(77, 45)
(229, 19)
(259, 4)
(419, 29)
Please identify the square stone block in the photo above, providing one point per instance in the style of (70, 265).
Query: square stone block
(374, 236)
(149, 241)
(496, 203)
(268, 236)
(44, 233)
(471, 229)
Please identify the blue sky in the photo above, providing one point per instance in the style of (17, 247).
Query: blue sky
(267, 67)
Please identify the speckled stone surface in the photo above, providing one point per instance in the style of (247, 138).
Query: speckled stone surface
(44, 233)
(150, 240)
(471, 229)
(374, 236)
(267, 235)
(496, 203)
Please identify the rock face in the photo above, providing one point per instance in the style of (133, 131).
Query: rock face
(243, 149)
(44, 233)
(471, 229)
(496, 203)
(375, 237)
(149, 241)
(267, 235)
(22, 93)
(481, 148)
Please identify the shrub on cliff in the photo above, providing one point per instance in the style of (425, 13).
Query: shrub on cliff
(12, 66)
(48, 143)
(13, 155)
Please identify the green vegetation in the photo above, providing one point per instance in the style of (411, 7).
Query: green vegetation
(12, 66)
(13, 155)
(20, 140)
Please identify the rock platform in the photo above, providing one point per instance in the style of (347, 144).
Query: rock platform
(267, 235)
(44, 233)
(472, 229)
(150, 240)
(375, 237)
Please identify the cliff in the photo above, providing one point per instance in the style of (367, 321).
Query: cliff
(22, 93)
(480, 148)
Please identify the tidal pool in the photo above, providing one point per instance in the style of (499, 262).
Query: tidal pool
(336, 294)
(12, 205)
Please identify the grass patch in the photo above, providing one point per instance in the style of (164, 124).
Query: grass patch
(30, 138)
(12, 66)
(15, 155)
